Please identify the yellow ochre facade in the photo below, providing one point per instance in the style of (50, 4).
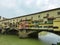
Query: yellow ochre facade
(56, 24)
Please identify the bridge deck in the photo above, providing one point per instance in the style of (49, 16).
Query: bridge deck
(38, 29)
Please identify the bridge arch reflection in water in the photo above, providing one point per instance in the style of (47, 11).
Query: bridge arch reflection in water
(49, 38)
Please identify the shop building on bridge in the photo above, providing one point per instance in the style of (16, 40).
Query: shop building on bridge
(44, 17)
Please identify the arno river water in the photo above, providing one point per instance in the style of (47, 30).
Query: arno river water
(43, 39)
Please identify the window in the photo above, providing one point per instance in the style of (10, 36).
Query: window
(17, 20)
(20, 20)
(55, 27)
(0, 17)
(14, 24)
(31, 17)
(5, 23)
(58, 13)
(10, 25)
(39, 16)
(25, 18)
(50, 21)
(45, 22)
(47, 15)
(40, 26)
(45, 26)
(35, 22)
(13, 20)
(50, 26)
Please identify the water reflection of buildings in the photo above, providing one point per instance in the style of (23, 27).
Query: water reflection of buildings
(49, 19)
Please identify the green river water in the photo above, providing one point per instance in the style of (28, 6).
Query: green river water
(14, 40)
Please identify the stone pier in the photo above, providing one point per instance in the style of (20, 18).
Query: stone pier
(23, 34)
(3, 31)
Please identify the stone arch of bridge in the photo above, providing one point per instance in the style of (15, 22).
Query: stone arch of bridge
(35, 34)
(12, 31)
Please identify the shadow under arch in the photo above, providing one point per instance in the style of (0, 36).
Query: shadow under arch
(11, 31)
(35, 34)
(0, 30)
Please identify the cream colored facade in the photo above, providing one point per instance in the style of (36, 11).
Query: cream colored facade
(36, 16)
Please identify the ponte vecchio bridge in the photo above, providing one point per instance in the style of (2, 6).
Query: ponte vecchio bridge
(32, 24)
